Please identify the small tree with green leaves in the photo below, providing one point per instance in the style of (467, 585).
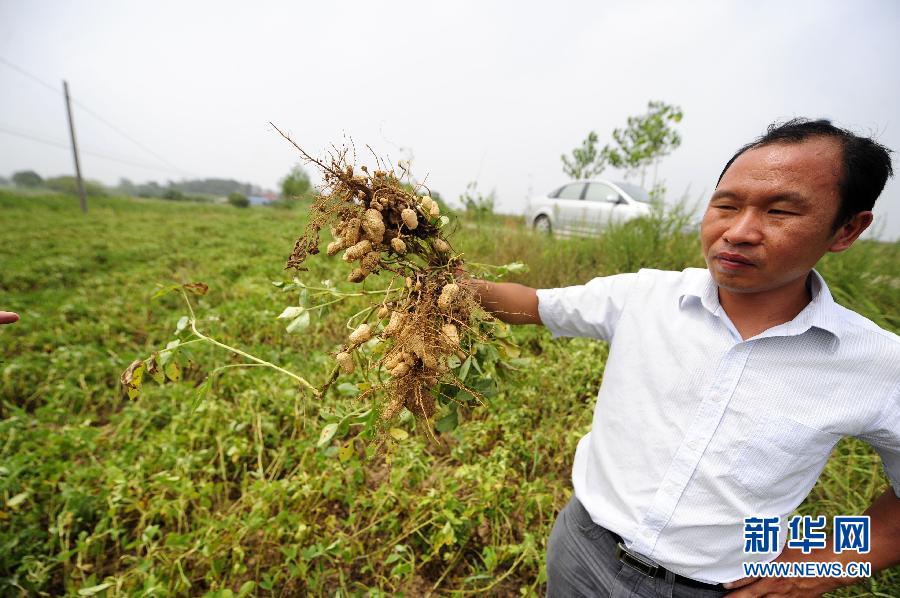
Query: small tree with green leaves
(644, 140)
(238, 200)
(296, 184)
(585, 161)
(27, 178)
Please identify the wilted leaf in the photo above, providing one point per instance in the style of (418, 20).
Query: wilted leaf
(291, 312)
(398, 434)
(131, 378)
(173, 371)
(444, 221)
(346, 452)
(152, 368)
(196, 288)
(95, 589)
(16, 500)
(327, 434)
(299, 323)
(183, 322)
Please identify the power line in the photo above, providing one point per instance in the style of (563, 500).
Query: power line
(35, 78)
(64, 146)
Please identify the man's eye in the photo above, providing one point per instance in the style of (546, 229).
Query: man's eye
(724, 207)
(780, 212)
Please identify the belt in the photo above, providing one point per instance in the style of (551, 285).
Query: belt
(647, 567)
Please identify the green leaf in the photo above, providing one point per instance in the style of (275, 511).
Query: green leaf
(291, 312)
(165, 291)
(444, 221)
(447, 423)
(300, 323)
(398, 434)
(246, 588)
(347, 389)
(464, 369)
(508, 350)
(327, 434)
(95, 589)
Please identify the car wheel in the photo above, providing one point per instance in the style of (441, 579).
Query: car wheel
(542, 225)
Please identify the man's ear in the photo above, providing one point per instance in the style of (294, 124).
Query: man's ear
(850, 231)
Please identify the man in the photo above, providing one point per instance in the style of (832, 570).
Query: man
(726, 388)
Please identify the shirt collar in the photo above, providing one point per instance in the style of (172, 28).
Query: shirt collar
(821, 312)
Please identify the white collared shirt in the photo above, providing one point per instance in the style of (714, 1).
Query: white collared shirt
(695, 429)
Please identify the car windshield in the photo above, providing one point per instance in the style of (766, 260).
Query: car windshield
(635, 192)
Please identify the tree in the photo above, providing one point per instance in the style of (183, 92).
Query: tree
(296, 184)
(238, 200)
(585, 162)
(645, 139)
(27, 178)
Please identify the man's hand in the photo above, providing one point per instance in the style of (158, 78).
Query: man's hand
(507, 301)
(8, 317)
(779, 587)
(884, 515)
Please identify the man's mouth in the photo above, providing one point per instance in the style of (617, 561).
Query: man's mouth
(734, 261)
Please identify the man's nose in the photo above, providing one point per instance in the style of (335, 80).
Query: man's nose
(745, 228)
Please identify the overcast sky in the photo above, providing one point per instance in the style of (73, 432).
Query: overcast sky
(486, 91)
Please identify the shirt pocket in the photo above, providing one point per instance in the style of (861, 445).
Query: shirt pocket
(782, 457)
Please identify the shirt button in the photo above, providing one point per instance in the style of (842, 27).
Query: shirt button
(716, 398)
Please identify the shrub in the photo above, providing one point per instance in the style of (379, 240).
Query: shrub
(69, 185)
(27, 178)
(238, 200)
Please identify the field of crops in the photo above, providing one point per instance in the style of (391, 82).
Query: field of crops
(231, 492)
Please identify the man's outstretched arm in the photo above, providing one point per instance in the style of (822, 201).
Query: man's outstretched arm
(508, 301)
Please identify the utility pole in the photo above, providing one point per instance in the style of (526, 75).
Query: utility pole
(81, 192)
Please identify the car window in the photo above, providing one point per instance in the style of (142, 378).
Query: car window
(599, 192)
(572, 191)
(635, 192)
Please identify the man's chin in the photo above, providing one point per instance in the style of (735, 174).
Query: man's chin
(737, 282)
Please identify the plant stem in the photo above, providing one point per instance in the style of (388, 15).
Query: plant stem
(253, 358)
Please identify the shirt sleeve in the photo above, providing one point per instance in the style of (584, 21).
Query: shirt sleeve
(590, 310)
(885, 439)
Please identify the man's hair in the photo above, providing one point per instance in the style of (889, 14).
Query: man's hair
(866, 163)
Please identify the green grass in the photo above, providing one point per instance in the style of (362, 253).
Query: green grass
(157, 497)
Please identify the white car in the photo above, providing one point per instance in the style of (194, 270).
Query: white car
(587, 207)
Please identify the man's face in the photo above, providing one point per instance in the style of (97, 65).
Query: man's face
(770, 218)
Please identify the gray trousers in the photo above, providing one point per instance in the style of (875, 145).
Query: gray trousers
(581, 561)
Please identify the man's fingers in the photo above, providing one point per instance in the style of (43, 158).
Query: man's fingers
(8, 317)
(739, 583)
